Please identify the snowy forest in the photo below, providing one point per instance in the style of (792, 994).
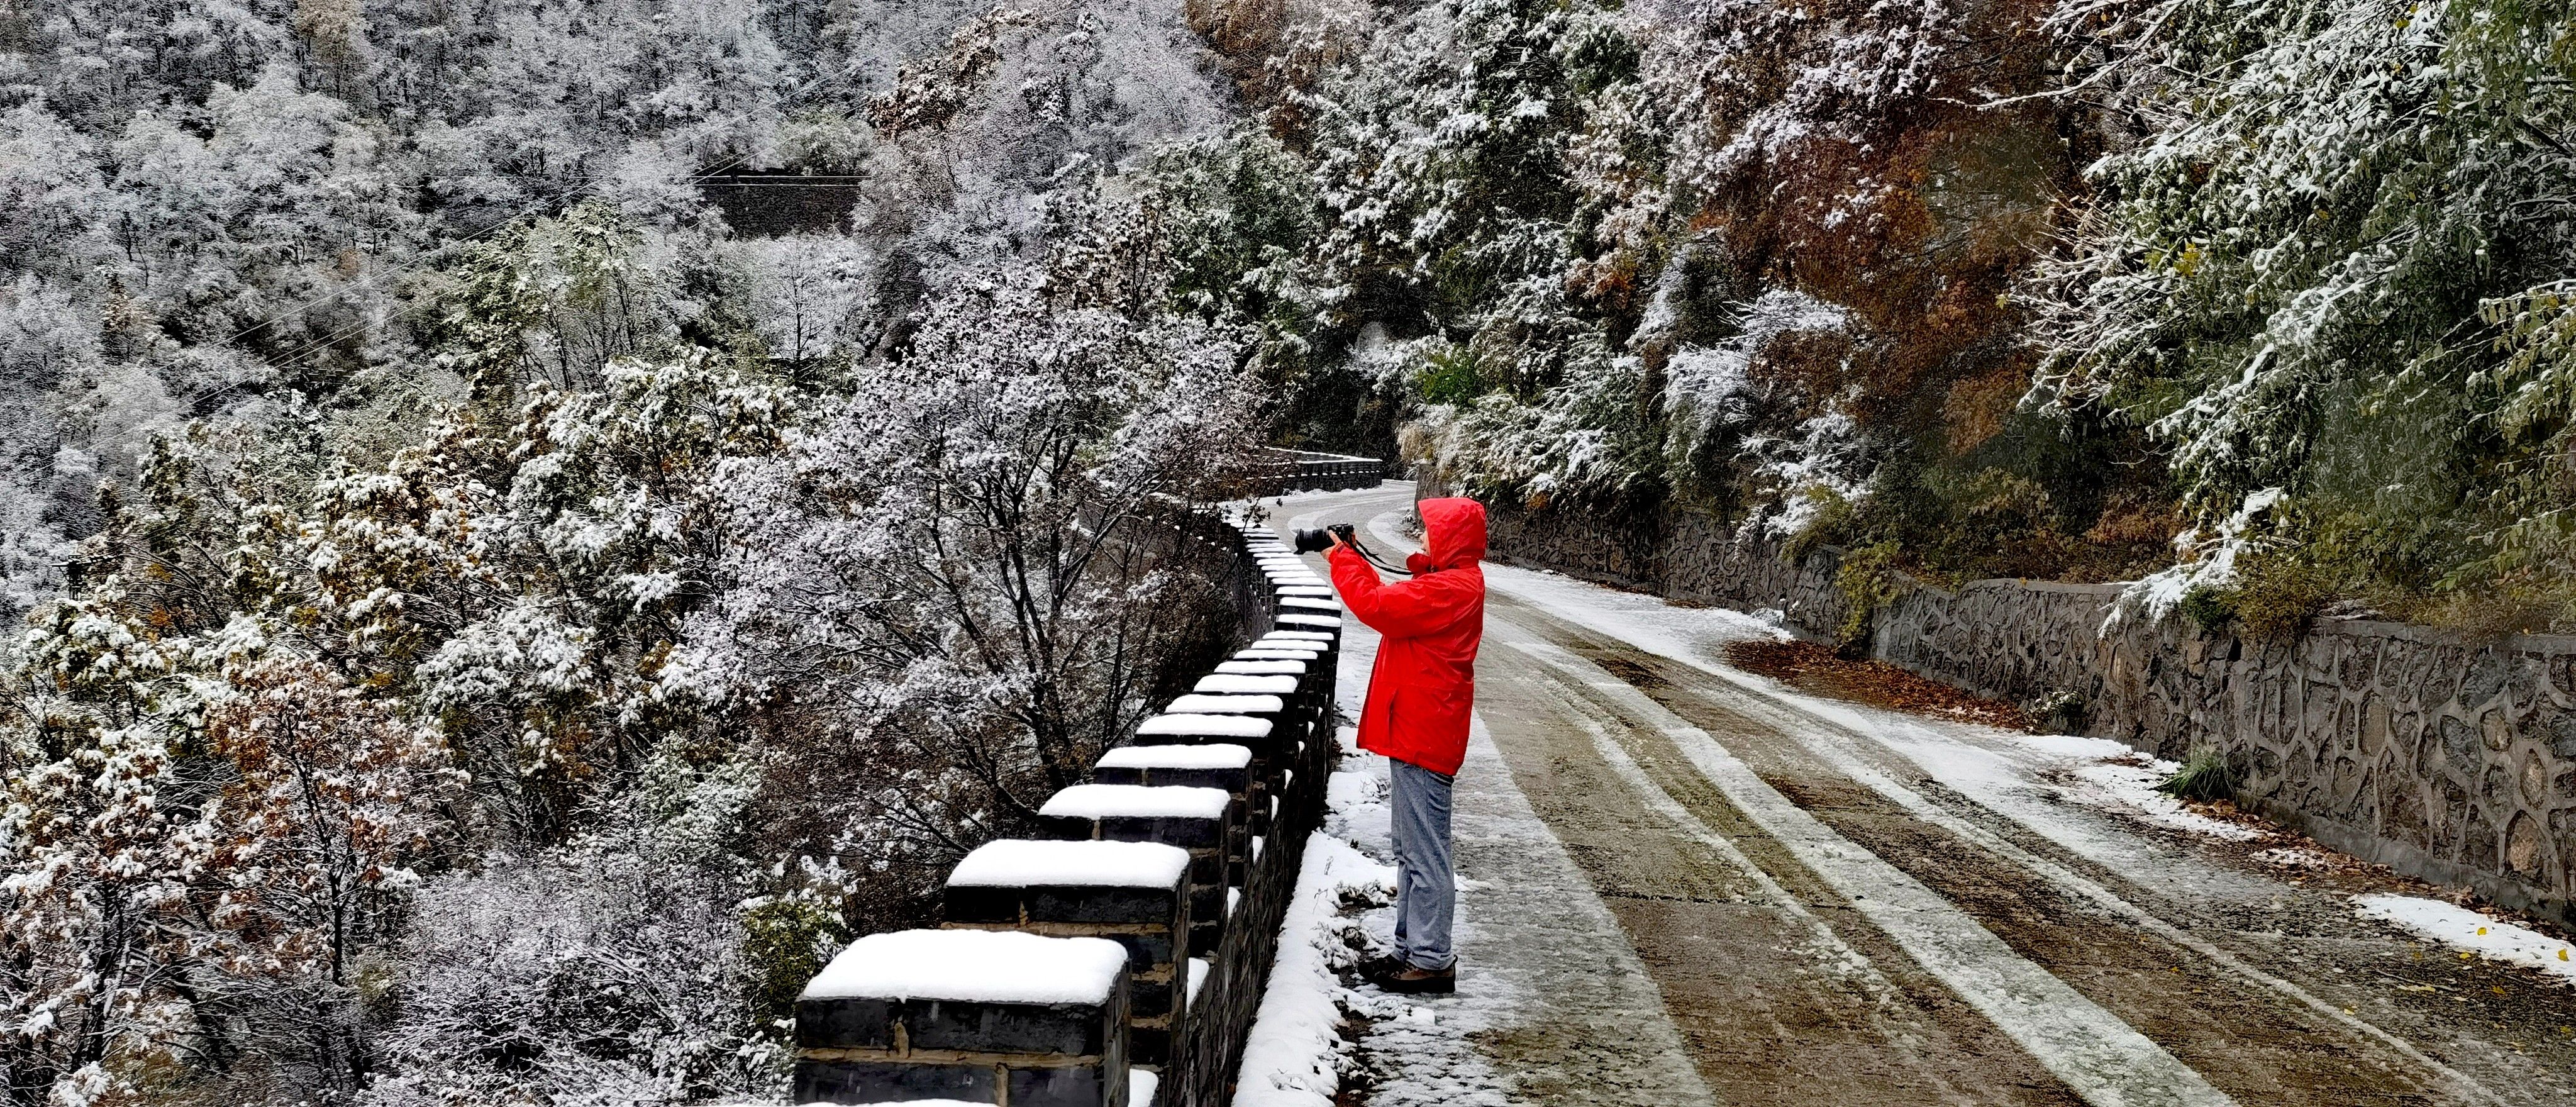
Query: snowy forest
(487, 626)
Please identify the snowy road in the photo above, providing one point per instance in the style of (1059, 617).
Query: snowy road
(1685, 884)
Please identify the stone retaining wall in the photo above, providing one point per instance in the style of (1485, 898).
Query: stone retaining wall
(2444, 759)
(926, 1014)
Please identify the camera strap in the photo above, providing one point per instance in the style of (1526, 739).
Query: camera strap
(1370, 556)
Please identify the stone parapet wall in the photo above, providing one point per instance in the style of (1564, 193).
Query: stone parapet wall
(1286, 471)
(2445, 759)
(1183, 852)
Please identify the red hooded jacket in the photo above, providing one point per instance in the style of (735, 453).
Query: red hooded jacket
(1425, 681)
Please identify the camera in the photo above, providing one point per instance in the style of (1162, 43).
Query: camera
(1312, 540)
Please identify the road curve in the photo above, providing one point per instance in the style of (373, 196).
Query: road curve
(1687, 884)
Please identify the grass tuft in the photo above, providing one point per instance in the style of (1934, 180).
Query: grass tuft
(2204, 776)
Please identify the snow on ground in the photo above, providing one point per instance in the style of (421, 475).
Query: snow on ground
(2131, 784)
(2473, 934)
(1294, 1056)
(2106, 774)
(1540, 954)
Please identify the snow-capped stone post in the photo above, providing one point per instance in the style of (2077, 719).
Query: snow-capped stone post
(1309, 759)
(1253, 722)
(1258, 798)
(1292, 693)
(1219, 765)
(978, 1016)
(1203, 821)
(1133, 893)
(1210, 766)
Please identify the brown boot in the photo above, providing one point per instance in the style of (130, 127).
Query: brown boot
(1407, 980)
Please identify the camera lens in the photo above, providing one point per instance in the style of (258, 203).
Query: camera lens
(1311, 540)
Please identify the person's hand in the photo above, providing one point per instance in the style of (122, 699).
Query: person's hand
(1341, 543)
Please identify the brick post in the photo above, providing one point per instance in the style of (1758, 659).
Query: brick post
(1203, 821)
(985, 1017)
(1133, 893)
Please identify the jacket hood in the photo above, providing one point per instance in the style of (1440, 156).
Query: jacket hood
(1453, 531)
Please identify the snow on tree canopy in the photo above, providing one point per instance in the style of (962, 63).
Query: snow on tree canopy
(1027, 863)
(973, 966)
(1226, 726)
(1236, 684)
(1136, 801)
(1195, 704)
(1270, 666)
(1214, 756)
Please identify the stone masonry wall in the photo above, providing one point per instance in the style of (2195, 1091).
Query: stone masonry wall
(2444, 759)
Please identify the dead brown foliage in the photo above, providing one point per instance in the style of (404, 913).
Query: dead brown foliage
(1810, 667)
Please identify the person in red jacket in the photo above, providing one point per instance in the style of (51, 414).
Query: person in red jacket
(1419, 698)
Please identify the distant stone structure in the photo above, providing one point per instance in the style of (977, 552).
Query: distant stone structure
(1284, 471)
(769, 205)
(2441, 758)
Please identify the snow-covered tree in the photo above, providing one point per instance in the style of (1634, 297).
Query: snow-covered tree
(976, 567)
(2326, 267)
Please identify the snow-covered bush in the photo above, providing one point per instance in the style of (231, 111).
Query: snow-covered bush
(608, 971)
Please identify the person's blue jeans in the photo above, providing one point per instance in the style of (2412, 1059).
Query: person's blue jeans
(1426, 884)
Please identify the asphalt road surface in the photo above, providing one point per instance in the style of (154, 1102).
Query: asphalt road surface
(1686, 884)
